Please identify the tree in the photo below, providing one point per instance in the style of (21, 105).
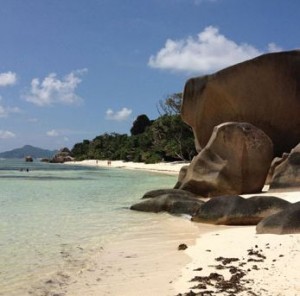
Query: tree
(167, 137)
(81, 150)
(173, 137)
(140, 124)
(171, 105)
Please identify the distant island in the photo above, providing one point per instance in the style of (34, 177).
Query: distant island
(28, 150)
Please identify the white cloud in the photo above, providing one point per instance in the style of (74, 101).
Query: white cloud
(53, 133)
(5, 111)
(209, 51)
(53, 90)
(8, 78)
(121, 115)
(6, 135)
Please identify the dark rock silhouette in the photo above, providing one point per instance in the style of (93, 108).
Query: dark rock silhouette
(236, 210)
(284, 222)
(287, 173)
(171, 201)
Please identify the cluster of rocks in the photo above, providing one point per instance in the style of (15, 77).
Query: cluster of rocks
(242, 117)
(62, 156)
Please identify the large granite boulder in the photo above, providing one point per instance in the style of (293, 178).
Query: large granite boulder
(284, 222)
(62, 156)
(236, 210)
(169, 200)
(264, 91)
(287, 173)
(236, 160)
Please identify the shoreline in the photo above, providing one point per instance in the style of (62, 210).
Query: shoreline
(170, 168)
(148, 264)
(269, 269)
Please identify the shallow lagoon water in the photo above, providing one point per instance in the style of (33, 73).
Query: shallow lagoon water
(56, 215)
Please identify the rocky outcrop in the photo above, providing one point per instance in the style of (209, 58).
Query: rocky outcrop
(28, 159)
(287, 173)
(264, 91)
(170, 192)
(169, 200)
(236, 160)
(274, 164)
(62, 156)
(284, 222)
(236, 210)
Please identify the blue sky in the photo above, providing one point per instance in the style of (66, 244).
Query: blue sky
(74, 69)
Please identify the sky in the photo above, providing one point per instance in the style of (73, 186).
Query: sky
(74, 69)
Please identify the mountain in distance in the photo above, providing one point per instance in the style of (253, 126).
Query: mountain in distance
(28, 150)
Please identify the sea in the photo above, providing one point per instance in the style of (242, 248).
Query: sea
(52, 213)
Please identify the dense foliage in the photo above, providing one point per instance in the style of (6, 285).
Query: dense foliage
(167, 138)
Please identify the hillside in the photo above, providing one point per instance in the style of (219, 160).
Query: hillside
(28, 150)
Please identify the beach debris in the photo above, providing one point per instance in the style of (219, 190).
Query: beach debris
(233, 278)
(182, 247)
(226, 261)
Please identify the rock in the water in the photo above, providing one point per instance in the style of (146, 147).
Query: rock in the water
(236, 210)
(174, 202)
(284, 222)
(264, 91)
(170, 192)
(62, 156)
(236, 160)
(287, 173)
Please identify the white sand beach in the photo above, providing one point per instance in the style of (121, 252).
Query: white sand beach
(152, 264)
(163, 167)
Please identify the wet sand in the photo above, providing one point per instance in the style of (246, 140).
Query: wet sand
(148, 263)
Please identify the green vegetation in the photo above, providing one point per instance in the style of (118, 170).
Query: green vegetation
(167, 138)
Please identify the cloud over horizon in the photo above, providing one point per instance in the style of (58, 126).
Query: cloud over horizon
(53, 90)
(120, 115)
(208, 52)
(53, 133)
(6, 135)
(8, 78)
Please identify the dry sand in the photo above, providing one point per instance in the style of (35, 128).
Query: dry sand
(163, 167)
(270, 262)
(265, 265)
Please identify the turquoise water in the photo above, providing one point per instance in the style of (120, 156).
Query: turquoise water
(54, 213)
